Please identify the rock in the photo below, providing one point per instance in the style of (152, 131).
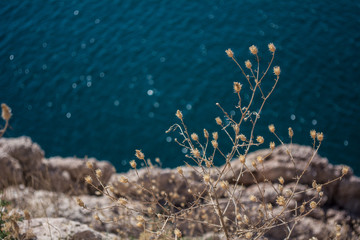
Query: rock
(10, 171)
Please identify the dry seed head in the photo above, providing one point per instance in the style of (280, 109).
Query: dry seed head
(122, 201)
(194, 137)
(139, 154)
(314, 185)
(5, 112)
(88, 179)
(345, 170)
(196, 153)
(272, 128)
(140, 218)
(260, 159)
(98, 173)
(177, 233)
(246, 219)
(224, 185)
(230, 53)
(291, 132)
(157, 160)
(179, 114)
(318, 188)
(252, 198)
(260, 139)
(248, 64)
(218, 121)
(180, 171)
(253, 49)
(236, 128)
(89, 165)
(237, 87)
(249, 235)
(80, 202)
(320, 137)
(215, 135)
(313, 205)
(139, 224)
(206, 134)
(272, 47)
(207, 163)
(281, 180)
(302, 209)
(253, 163)
(281, 188)
(242, 159)
(214, 143)
(269, 206)
(272, 145)
(242, 137)
(150, 210)
(280, 200)
(123, 179)
(313, 134)
(133, 163)
(206, 178)
(238, 216)
(277, 70)
(321, 194)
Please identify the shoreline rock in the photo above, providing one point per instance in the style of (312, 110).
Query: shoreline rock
(48, 188)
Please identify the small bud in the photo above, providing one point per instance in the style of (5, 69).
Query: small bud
(206, 178)
(218, 121)
(177, 233)
(260, 139)
(133, 163)
(179, 114)
(281, 180)
(260, 159)
(214, 144)
(237, 87)
(194, 137)
(272, 145)
(88, 179)
(139, 154)
(242, 137)
(313, 134)
(291, 132)
(253, 49)
(89, 165)
(224, 185)
(242, 159)
(280, 200)
(272, 128)
(157, 160)
(252, 198)
(180, 170)
(272, 47)
(98, 173)
(269, 206)
(345, 170)
(302, 209)
(253, 163)
(313, 205)
(5, 112)
(206, 134)
(277, 70)
(314, 185)
(318, 188)
(248, 64)
(215, 135)
(230, 53)
(320, 137)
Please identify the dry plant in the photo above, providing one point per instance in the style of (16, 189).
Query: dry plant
(162, 215)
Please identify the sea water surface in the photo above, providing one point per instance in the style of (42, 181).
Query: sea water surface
(103, 78)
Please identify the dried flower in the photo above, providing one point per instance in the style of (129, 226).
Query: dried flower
(281, 180)
(206, 133)
(272, 128)
(272, 145)
(122, 201)
(302, 209)
(133, 163)
(230, 53)
(248, 235)
(89, 165)
(177, 233)
(150, 210)
(6, 112)
(291, 132)
(180, 170)
(242, 137)
(206, 178)
(313, 134)
(218, 121)
(80, 202)
(215, 135)
(214, 143)
(98, 173)
(237, 87)
(277, 70)
(139, 224)
(260, 139)
(280, 200)
(253, 198)
(242, 159)
(260, 159)
(140, 218)
(123, 179)
(196, 153)
(96, 217)
(313, 205)
(344, 170)
(179, 114)
(88, 179)
(224, 185)
(320, 137)
(248, 64)
(194, 137)
(269, 206)
(253, 49)
(272, 47)
(139, 154)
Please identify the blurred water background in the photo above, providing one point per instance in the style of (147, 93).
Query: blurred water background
(103, 78)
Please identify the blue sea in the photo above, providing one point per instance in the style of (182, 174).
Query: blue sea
(103, 78)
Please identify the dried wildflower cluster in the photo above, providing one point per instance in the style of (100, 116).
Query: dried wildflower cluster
(5, 115)
(235, 216)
